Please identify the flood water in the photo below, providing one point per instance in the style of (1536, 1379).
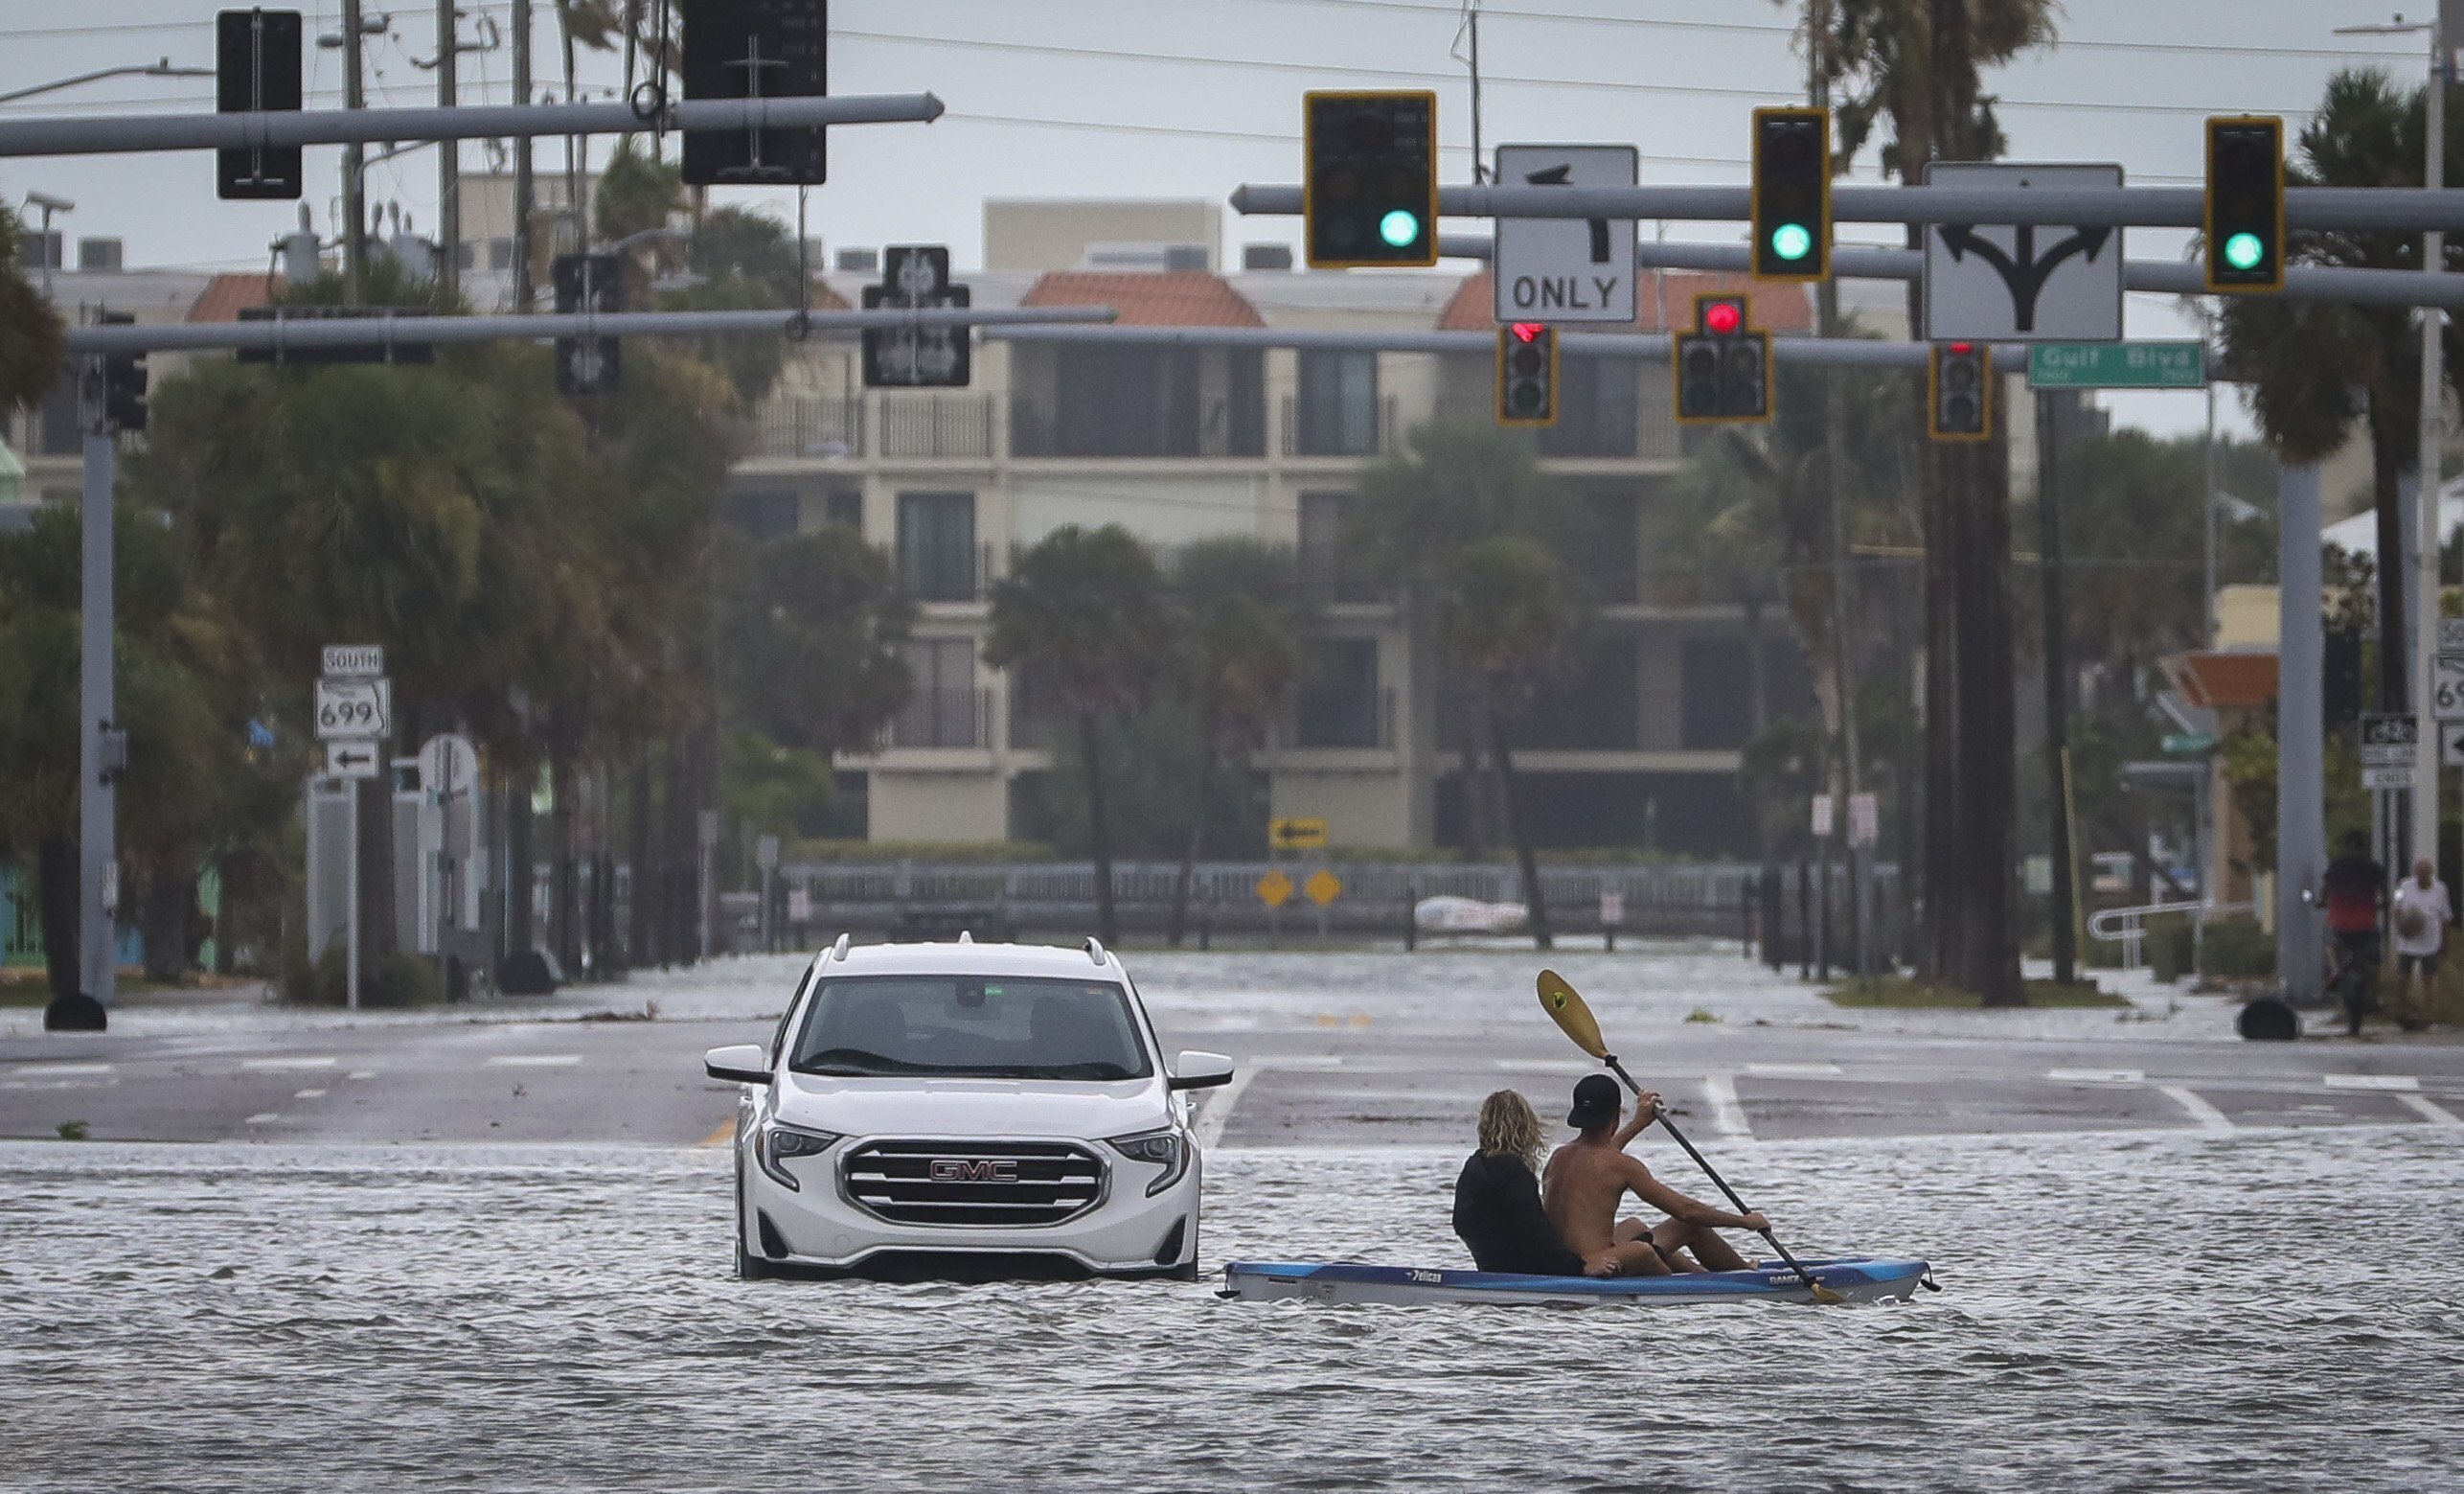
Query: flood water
(2174, 1311)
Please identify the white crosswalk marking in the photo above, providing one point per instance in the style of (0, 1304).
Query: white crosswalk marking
(279, 1065)
(2372, 1081)
(309, 1095)
(264, 1117)
(2097, 1075)
(534, 1060)
(2208, 1116)
(1795, 1070)
(60, 1071)
(2430, 1110)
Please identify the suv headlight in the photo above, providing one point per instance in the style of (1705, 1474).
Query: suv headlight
(780, 1142)
(1164, 1148)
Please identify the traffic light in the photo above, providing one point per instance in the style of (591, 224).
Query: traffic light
(123, 380)
(256, 69)
(1724, 367)
(588, 283)
(2245, 219)
(1792, 194)
(1959, 392)
(1526, 373)
(1369, 195)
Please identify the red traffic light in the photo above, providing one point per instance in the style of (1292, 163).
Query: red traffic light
(1963, 349)
(1721, 319)
(1528, 332)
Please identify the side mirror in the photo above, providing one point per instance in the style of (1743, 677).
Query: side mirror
(1195, 1071)
(738, 1063)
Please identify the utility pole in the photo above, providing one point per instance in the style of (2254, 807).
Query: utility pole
(448, 155)
(355, 162)
(2427, 591)
(2057, 696)
(524, 187)
(98, 891)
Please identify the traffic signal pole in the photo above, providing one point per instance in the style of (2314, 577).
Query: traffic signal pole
(98, 879)
(2428, 593)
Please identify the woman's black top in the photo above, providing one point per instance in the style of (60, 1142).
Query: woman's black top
(1497, 1211)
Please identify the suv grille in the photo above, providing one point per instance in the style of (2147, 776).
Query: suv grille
(972, 1183)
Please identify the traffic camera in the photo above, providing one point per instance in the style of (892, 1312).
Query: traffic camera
(1724, 367)
(1959, 392)
(1526, 373)
(1791, 197)
(1369, 194)
(2245, 218)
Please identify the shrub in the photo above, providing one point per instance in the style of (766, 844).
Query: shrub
(2238, 949)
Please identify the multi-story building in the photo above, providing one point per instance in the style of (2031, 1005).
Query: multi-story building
(1640, 746)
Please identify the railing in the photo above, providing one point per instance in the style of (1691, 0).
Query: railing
(798, 426)
(945, 716)
(1036, 430)
(2128, 926)
(1331, 430)
(939, 426)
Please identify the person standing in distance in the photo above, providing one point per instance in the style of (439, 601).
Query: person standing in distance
(2420, 914)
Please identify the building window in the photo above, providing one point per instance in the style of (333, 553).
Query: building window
(937, 557)
(845, 506)
(766, 515)
(1148, 402)
(1339, 704)
(1330, 551)
(500, 254)
(1337, 411)
(1613, 552)
(1716, 705)
(1599, 408)
(943, 711)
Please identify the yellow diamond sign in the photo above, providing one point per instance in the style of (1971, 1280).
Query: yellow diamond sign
(1323, 887)
(1276, 889)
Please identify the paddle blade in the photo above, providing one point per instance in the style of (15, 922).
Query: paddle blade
(1564, 1007)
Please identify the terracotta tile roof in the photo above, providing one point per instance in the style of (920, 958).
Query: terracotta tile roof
(2224, 682)
(1165, 298)
(1774, 307)
(226, 295)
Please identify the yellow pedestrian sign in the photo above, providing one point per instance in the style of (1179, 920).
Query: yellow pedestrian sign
(1323, 887)
(1296, 834)
(1276, 889)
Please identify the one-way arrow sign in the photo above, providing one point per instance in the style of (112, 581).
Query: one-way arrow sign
(350, 759)
(2018, 283)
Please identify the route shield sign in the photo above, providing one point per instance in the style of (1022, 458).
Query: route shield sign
(354, 709)
(2021, 283)
(1566, 270)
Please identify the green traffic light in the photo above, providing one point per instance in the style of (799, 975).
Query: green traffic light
(2244, 251)
(1399, 227)
(1791, 241)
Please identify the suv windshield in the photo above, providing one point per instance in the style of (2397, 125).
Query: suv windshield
(975, 1025)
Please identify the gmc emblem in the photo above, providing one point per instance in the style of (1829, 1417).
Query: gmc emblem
(951, 1169)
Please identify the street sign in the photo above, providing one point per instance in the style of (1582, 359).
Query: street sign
(2118, 365)
(2447, 686)
(1323, 887)
(448, 765)
(2188, 743)
(765, 853)
(257, 69)
(1612, 909)
(1864, 819)
(2451, 743)
(1274, 890)
(1296, 834)
(2451, 635)
(1566, 270)
(756, 49)
(2389, 741)
(354, 658)
(2005, 282)
(355, 708)
(1822, 816)
(2387, 777)
(352, 759)
(916, 276)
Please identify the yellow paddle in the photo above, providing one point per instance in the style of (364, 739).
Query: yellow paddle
(1565, 1007)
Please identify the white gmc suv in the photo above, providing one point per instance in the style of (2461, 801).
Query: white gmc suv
(966, 1109)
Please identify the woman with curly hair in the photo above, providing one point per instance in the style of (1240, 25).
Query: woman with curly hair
(1498, 1202)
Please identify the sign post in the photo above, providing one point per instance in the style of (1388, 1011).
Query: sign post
(1566, 270)
(355, 716)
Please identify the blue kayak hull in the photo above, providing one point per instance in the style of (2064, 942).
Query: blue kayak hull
(1861, 1279)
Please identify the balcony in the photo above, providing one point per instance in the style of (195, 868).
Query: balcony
(802, 427)
(1358, 429)
(944, 426)
(943, 716)
(1215, 429)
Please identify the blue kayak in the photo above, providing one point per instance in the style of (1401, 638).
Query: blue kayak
(1859, 1279)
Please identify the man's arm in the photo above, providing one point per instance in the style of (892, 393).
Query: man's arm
(1647, 1109)
(1676, 1206)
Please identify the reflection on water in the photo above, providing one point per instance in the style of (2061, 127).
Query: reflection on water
(2162, 1311)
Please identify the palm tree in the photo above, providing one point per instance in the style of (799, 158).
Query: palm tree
(1433, 521)
(1241, 619)
(1085, 609)
(31, 349)
(2311, 368)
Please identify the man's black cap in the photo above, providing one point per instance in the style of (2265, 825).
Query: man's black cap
(1595, 1102)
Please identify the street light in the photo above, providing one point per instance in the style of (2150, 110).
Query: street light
(2425, 606)
(158, 69)
(47, 204)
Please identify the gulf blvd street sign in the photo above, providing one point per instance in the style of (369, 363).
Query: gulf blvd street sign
(2118, 365)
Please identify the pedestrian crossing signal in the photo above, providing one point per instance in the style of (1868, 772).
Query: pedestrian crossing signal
(1526, 373)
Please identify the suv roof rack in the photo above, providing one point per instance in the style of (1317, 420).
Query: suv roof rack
(1095, 950)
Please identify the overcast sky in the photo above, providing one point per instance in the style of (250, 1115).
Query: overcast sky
(1190, 97)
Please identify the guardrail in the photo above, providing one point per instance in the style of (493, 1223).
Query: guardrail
(2128, 926)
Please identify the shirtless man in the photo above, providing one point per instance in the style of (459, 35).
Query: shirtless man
(1589, 1176)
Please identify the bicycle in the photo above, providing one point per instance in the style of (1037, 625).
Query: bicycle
(2352, 978)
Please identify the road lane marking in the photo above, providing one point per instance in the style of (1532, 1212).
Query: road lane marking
(1793, 1071)
(2208, 1116)
(60, 1071)
(308, 1095)
(1300, 1061)
(1217, 1112)
(1546, 1066)
(276, 1064)
(361, 1073)
(264, 1117)
(535, 1061)
(2371, 1081)
(721, 1136)
(2430, 1110)
(2097, 1075)
(1727, 1112)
